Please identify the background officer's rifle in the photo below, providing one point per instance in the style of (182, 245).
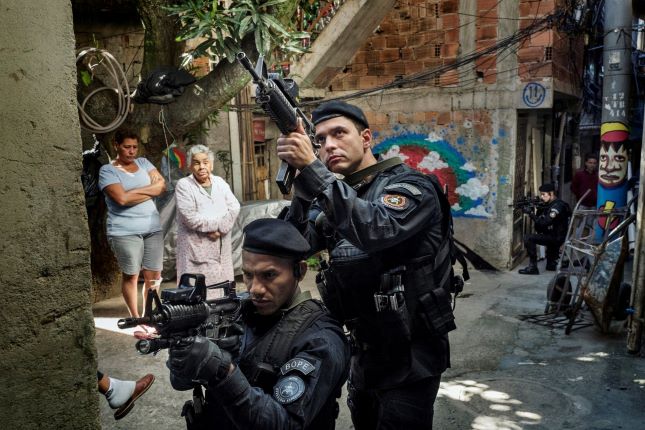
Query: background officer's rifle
(277, 97)
(527, 202)
(188, 310)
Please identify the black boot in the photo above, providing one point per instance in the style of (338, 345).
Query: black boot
(531, 269)
(551, 266)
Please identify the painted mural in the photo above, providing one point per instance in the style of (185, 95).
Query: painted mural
(612, 172)
(464, 162)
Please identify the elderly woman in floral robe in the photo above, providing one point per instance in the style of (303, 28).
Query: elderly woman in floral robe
(206, 212)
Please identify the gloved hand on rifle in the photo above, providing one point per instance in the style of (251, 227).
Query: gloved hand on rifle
(232, 342)
(200, 360)
(527, 210)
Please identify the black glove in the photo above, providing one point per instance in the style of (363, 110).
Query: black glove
(198, 359)
(527, 210)
(232, 342)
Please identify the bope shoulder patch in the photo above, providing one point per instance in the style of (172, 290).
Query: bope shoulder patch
(394, 201)
(288, 389)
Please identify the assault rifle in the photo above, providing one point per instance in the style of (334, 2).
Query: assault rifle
(527, 201)
(277, 97)
(188, 310)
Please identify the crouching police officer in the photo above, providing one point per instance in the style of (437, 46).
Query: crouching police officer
(387, 228)
(293, 357)
(551, 224)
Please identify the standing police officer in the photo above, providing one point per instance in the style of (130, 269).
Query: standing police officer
(293, 358)
(551, 224)
(386, 228)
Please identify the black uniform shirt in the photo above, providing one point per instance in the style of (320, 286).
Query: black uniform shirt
(394, 219)
(311, 378)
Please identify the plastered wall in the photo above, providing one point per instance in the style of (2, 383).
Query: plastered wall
(47, 354)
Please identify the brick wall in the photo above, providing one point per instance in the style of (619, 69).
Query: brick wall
(548, 53)
(416, 35)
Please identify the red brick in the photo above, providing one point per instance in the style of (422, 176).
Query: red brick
(404, 118)
(484, 5)
(432, 116)
(358, 69)
(418, 117)
(433, 63)
(450, 21)
(528, 71)
(428, 23)
(487, 32)
(387, 27)
(384, 80)
(490, 76)
(389, 55)
(395, 41)
(485, 62)
(483, 44)
(351, 83)
(450, 50)
(449, 6)
(449, 78)
(443, 118)
(543, 38)
(529, 54)
(405, 27)
(424, 52)
(394, 69)
(452, 36)
(417, 39)
(413, 67)
(376, 42)
(360, 57)
(407, 54)
(375, 69)
(367, 82)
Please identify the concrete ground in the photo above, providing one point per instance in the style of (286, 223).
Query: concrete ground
(507, 373)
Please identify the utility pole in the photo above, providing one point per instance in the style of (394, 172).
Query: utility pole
(614, 131)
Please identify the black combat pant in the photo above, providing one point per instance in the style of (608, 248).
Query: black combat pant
(408, 407)
(552, 244)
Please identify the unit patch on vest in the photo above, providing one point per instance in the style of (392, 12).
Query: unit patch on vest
(395, 201)
(411, 188)
(288, 390)
(299, 364)
(554, 213)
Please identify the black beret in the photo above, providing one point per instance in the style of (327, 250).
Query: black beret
(336, 108)
(275, 237)
(547, 188)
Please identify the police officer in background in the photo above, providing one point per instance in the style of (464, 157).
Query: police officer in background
(293, 358)
(551, 224)
(385, 226)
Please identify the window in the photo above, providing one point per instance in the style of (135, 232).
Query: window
(437, 50)
(548, 53)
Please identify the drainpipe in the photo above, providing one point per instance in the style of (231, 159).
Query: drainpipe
(614, 131)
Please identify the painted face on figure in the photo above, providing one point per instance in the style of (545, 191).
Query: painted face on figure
(269, 280)
(127, 150)
(613, 165)
(342, 147)
(201, 167)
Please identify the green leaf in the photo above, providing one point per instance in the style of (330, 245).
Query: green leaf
(86, 77)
